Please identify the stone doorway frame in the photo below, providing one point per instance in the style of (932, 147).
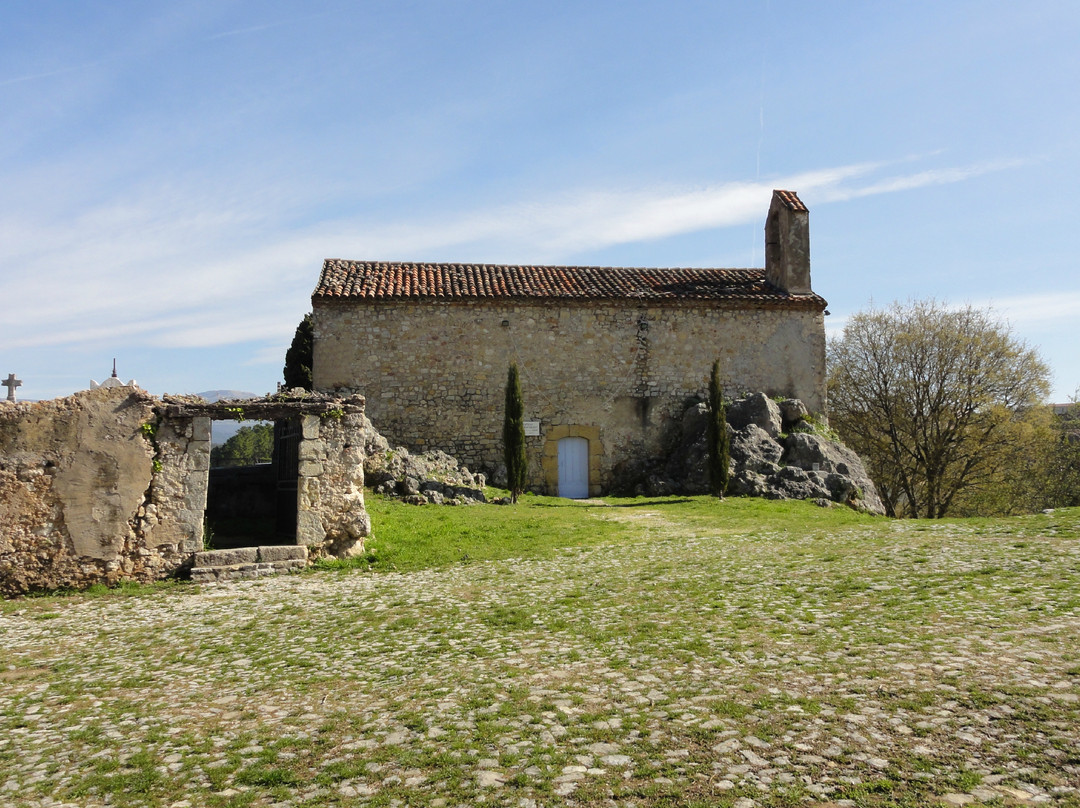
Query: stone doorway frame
(549, 459)
(214, 495)
(308, 410)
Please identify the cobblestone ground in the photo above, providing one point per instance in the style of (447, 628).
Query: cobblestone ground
(905, 663)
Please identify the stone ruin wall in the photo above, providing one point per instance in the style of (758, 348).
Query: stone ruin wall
(332, 518)
(77, 505)
(619, 374)
(110, 484)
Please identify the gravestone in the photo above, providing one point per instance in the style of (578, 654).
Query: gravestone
(11, 383)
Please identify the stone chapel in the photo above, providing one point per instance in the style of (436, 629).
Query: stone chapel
(609, 357)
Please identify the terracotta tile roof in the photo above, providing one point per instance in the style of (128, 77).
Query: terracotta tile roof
(790, 200)
(384, 280)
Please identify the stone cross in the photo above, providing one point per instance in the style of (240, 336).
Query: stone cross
(11, 383)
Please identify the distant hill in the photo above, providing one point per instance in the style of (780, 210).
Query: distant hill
(218, 395)
(221, 431)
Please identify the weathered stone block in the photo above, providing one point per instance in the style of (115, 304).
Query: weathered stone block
(103, 480)
(310, 427)
(308, 489)
(195, 496)
(203, 575)
(200, 429)
(312, 450)
(190, 520)
(199, 453)
(310, 468)
(309, 529)
(282, 552)
(225, 558)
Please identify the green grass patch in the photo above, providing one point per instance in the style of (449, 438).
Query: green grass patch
(413, 537)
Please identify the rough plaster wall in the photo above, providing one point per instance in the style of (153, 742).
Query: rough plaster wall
(434, 374)
(74, 473)
(102, 483)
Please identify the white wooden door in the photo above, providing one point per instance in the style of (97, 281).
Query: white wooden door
(574, 468)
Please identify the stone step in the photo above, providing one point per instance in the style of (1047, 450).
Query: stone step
(247, 562)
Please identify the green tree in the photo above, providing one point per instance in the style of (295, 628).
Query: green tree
(1039, 469)
(933, 399)
(719, 443)
(1063, 470)
(1018, 477)
(298, 359)
(514, 435)
(250, 445)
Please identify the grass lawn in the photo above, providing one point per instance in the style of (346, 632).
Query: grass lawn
(409, 537)
(645, 652)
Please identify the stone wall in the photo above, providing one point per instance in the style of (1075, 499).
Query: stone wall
(176, 500)
(332, 519)
(434, 373)
(111, 484)
(76, 506)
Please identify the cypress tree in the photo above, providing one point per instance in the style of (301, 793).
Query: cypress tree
(514, 435)
(298, 358)
(718, 443)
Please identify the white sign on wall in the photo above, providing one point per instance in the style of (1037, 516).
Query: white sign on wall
(532, 429)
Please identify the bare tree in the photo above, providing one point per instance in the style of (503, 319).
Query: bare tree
(930, 397)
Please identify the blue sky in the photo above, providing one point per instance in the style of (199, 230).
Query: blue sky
(173, 174)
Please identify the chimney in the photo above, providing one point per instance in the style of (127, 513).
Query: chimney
(787, 244)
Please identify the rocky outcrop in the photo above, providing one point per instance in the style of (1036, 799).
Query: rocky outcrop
(429, 477)
(757, 409)
(777, 452)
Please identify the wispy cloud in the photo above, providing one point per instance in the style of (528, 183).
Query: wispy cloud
(921, 179)
(164, 271)
(557, 227)
(1034, 312)
(1030, 313)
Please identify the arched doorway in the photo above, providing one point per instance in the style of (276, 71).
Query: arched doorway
(574, 468)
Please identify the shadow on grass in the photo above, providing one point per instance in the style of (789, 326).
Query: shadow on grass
(577, 503)
(650, 502)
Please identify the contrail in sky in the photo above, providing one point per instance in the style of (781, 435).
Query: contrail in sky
(61, 71)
